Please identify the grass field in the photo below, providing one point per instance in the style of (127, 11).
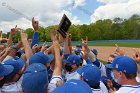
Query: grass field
(121, 44)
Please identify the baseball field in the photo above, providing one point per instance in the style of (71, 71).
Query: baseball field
(106, 48)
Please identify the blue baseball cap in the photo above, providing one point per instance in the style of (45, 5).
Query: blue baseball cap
(66, 56)
(73, 86)
(94, 51)
(72, 59)
(124, 64)
(90, 73)
(77, 50)
(40, 57)
(17, 64)
(5, 70)
(35, 79)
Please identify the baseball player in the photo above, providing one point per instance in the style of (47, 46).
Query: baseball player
(125, 72)
(92, 54)
(13, 81)
(71, 64)
(5, 70)
(91, 74)
(57, 71)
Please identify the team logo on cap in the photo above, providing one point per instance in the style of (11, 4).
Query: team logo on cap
(73, 61)
(117, 66)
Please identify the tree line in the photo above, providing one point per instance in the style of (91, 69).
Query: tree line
(107, 29)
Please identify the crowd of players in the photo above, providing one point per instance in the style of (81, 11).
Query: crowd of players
(29, 67)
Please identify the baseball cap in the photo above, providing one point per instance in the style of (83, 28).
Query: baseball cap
(94, 51)
(72, 59)
(77, 50)
(5, 70)
(90, 73)
(17, 64)
(124, 64)
(40, 57)
(66, 56)
(73, 86)
(35, 79)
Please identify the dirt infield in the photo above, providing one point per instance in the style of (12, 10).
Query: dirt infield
(104, 52)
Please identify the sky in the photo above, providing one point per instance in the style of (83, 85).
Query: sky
(50, 12)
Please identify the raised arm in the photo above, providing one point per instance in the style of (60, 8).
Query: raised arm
(58, 62)
(70, 44)
(11, 35)
(28, 51)
(2, 52)
(66, 45)
(5, 53)
(35, 38)
(88, 51)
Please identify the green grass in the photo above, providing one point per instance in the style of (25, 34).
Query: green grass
(121, 44)
(104, 62)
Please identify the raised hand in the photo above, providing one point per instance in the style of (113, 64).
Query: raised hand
(119, 51)
(11, 35)
(52, 35)
(68, 38)
(23, 36)
(13, 31)
(85, 45)
(35, 48)
(61, 39)
(85, 42)
(44, 47)
(35, 24)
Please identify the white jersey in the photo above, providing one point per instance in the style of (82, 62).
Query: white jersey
(52, 84)
(14, 87)
(129, 89)
(84, 62)
(7, 58)
(102, 89)
(11, 88)
(102, 69)
(72, 75)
